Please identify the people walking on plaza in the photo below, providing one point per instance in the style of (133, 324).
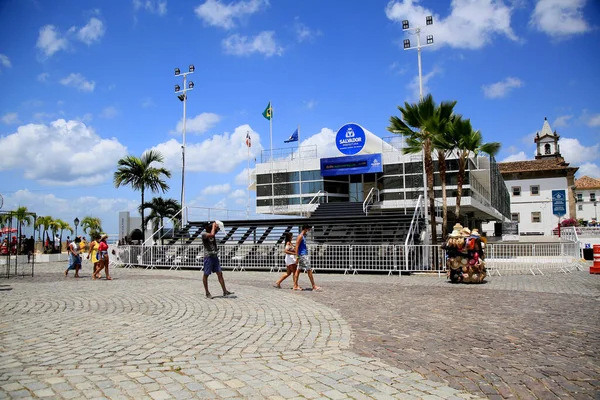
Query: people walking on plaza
(93, 256)
(30, 248)
(290, 260)
(303, 260)
(74, 258)
(103, 257)
(211, 257)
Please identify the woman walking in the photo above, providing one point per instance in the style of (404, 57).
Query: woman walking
(93, 256)
(103, 257)
(290, 259)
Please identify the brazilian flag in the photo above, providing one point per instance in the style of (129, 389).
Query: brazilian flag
(268, 113)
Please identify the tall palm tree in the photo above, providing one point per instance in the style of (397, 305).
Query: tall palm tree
(443, 145)
(160, 209)
(467, 142)
(91, 225)
(141, 175)
(23, 217)
(419, 124)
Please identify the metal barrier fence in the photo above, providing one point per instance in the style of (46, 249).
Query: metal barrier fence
(501, 259)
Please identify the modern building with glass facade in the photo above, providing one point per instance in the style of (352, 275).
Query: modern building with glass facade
(290, 182)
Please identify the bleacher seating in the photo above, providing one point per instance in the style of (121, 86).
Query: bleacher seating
(332, 223)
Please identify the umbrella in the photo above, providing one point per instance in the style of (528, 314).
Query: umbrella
(6, 230)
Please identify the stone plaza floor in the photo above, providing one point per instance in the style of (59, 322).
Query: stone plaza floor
(153, 334)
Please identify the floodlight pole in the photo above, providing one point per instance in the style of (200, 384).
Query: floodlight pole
(405, 28)
(183, 98)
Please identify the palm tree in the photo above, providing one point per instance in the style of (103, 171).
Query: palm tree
(467, 142)
(62, 225)
(159, 210)
(428, 120)
(45, 223)
(91, 225)
(141, 175)
(23, 217)
(443, 145)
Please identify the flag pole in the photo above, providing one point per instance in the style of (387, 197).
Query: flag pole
(300, 161)
(272, 176)
(248, 186)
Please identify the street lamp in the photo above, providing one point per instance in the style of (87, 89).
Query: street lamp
(76, 222)
(182, 95)
(406, 27)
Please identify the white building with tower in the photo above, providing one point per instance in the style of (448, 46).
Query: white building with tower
(541, 187)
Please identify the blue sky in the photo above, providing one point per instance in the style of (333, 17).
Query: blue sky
(85, 83)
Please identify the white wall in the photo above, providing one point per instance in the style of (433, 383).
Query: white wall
(588, 211)
(527, 203)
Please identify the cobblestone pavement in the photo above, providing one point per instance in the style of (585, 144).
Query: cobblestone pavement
(152, 334)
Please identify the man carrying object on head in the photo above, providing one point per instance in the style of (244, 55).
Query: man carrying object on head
(211, 257)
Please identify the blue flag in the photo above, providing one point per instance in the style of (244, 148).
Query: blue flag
(293, 138)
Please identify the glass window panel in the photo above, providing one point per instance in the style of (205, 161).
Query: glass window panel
(414, 167)
(311, 175)
(311, 187)
(263, 190)
(393, 182)
(263, 202)
(287, 189)
(392, 169)
(263, 178)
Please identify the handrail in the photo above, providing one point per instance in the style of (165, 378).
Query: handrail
(320, 193)
(418, 212)
(373, 193)
(162, 226)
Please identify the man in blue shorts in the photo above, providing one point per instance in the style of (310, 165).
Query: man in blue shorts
(211, 257)
(304, 260)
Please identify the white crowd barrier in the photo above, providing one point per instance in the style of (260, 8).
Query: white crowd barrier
(500, 258)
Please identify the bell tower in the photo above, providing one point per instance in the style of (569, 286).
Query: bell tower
(547, 142)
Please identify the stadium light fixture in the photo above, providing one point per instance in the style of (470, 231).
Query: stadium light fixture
(181, 92)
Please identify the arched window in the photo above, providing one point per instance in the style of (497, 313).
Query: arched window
(547, 148)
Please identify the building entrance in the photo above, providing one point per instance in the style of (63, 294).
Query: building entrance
(360, 185)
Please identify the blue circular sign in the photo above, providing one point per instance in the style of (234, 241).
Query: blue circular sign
(350, 139)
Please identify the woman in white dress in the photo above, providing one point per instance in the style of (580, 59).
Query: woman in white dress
(290, 260)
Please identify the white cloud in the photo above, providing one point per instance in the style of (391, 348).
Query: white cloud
(397, 69)
(304, 33)
(575, 153)
(10, 118)
(501, 89)
(413, 86)
(61, 153)
(325, 142)
(216, 189)
(153, 6)
(43, 77)
(43, 116)
(92, 31)
(109, 112)
(520, 156)
(562, 121)
(79, 82)
(589, 169)
(239, 193)
(227, 151)
(263, 43)
(560, 18)
(594, 121)
(242, 177)
(199, 124)
(216, 13)
(5, 61)
(50, 41)
(472, 24)
(67, 209)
